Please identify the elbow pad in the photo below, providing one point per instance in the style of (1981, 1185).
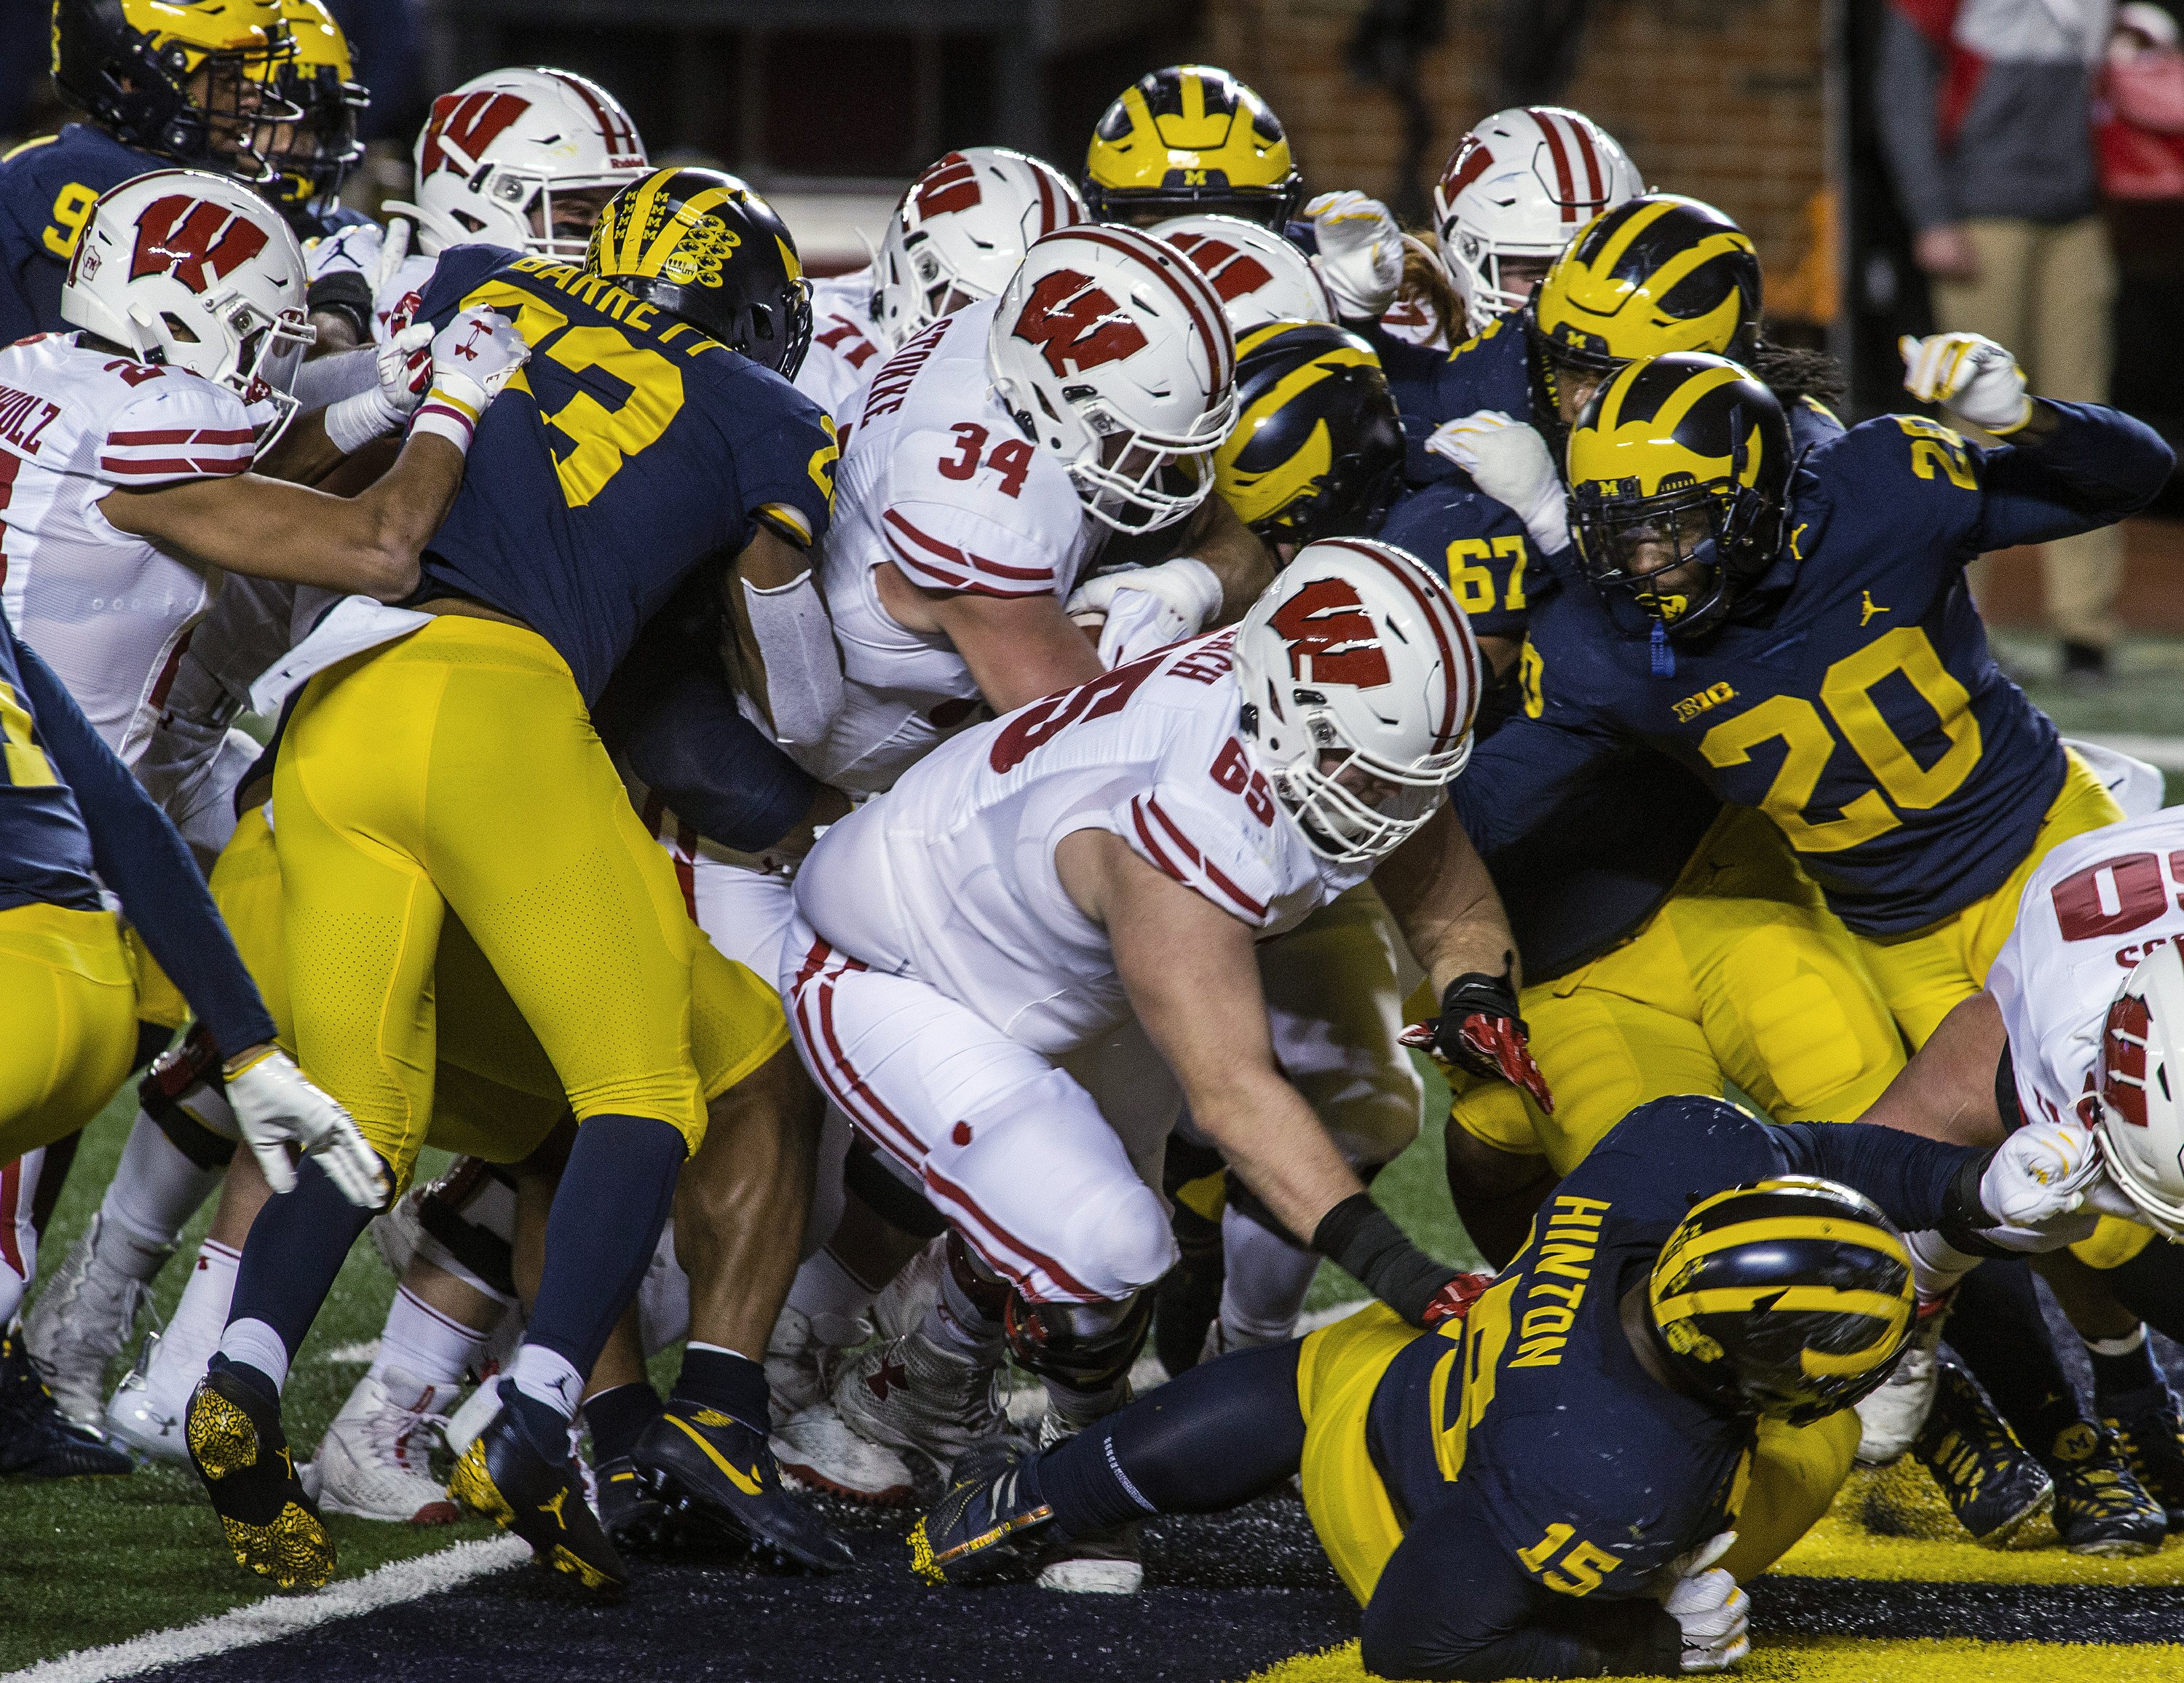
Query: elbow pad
(802, 668)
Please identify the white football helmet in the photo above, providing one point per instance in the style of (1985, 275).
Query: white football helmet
(196, 272)
(960, 231)
(498, 149)
(1516, 190)
(1109, 348)
(1260, 275)
(2140, 1107)
(1360, 676)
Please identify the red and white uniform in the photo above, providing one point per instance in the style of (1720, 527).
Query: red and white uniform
(106, 609)
(938, 481)
(938, 971)
(847, 347)
(2095, 906)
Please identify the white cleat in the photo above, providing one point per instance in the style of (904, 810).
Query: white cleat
(814, 1447)
(1890, 1418)
(475, 1415)
(80, 1322)
(912, 1394)
(147, 1418)
(375, 1461)
(900, 1306)
(1105, 1563)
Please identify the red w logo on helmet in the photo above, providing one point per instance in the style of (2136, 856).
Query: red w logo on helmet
(1330, 636)
(462, 126)
(193, 239)
(1075, 325)
(949, 186)
(2123, 1059)
(1233, 272)
(1471, 161)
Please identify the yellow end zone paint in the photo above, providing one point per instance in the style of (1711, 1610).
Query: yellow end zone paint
(1845, 1659)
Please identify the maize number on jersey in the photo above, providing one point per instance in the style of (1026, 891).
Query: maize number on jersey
(27, 764)
(1808, 743)
(1581, 1567)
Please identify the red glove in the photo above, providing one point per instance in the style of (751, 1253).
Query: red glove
(1453, 1302)
(1479, 1030)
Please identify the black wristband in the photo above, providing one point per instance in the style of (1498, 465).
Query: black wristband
(1475, 990)
(1358, 1236)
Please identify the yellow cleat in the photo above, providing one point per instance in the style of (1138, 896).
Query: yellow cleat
(236, 1442)
(502, 1478)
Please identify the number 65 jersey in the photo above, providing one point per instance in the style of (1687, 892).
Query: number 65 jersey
(949, 876)
(2097, 904)
(938, 481)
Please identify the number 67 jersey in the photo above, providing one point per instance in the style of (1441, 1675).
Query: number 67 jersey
(2097, 906)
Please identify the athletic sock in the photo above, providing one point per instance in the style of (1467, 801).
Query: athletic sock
(1265, 1278)
(714, 1376)
(154, 1192)
(547, 1378)
(431, 1347)
(253, 1352)
(606, 1220)
(966, 1316)
(296, 1246)
(178, 1359)
(618, 1418)
(1082, 1481)
(832, 1298)
(19, 1234)
(1997, 1329)
(2121, 1365)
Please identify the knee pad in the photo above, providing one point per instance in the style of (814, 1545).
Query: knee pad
(467, 1226)
(181, 1092)
(1086, 1346)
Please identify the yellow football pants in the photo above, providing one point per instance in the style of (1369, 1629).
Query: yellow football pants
(1742, 973)
(457, 771)
(68, 1001)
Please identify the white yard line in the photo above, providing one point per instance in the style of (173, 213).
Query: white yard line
(279, 1616)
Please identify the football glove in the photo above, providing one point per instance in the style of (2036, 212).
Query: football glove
(1479, 1030)
(1511, 463)
(2040, 1172)
(473, 357)
(404, 366)
(1360, 253)
(276, 1105)
(1143, 609)
(1453, 1302)
(1969, 375)
(1715, 1615)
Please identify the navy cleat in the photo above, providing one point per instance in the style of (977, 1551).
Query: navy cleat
(36, 1439)
(989, 1525)
(2149, 1430)
(1991, 1485)
(236, 1442)
(710, 1466)
(2100, 1506)
(504, 1477)
(636, 1521)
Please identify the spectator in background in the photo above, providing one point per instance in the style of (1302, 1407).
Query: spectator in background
(387, 37)
(1985, 111)
(2140, 107)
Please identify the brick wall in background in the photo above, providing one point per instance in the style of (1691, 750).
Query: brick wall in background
(1717, 98)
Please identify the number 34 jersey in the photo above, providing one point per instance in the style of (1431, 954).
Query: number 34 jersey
(938, 482)
(1854, 698)
(628, 450)
(949, 876)
(2097, 904)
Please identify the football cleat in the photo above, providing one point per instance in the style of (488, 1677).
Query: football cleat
(1889, 1419)
(1104, 1563)
(988, 1526)
(636, 1521)
(36, 1439)
(143, 1418)
(82, 1321)
(236, 1442)
(375, 1461)
(2100, 1506)
(1991, 1485)
(799, 1364)
(2149, 1430)
(814, 1447)
(504, 1477)
(698, 1460)
(912, 1394)
(901, 1305)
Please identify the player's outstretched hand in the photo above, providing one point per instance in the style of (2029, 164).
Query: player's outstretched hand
(474, 356)
(1716, 1617)
(1969, 375)
(1360, 253)
(276, 1105)
(1479, 1031)
(2042, 1171)
(1510, 462)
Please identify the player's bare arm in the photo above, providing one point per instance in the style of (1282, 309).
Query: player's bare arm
(1437, 888)
(1946, 1091)
(1233, 552)
(1018, 647)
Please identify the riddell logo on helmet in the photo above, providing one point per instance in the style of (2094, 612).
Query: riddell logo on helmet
(1075, 325)
(193, 239)
(949, 186)
(1330, 636)
(2123, 1059)
(468, 123)
(1233, 272)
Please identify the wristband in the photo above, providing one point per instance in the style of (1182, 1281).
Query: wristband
(355, 420)
(1358, 1237)
(244, 1063)
(452, 414)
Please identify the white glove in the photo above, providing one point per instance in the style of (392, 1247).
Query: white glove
(2041, 1171)
(1510, 462)
(1969, 375)
(1143, 609)
(394, 249)
(276, 1105)
(1716, 1617)
(404, 366)
(1360, 253)
(474, 356)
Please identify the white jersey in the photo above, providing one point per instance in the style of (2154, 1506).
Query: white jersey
(937, 481)
(846, 348)
(2097, 904)
(107, 610)
(361, 249)
(949, 876)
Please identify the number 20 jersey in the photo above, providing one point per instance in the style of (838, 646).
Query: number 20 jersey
(2097, 904)
(949, 876)
(937, 481)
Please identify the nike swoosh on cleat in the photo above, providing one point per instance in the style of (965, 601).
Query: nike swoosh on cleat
(747, 1483)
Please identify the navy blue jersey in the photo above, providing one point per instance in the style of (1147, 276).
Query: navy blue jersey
(45, 847)
(1431, 387)
(46, 190)
(1853, 696)
(1534, 1419)
(629, 450)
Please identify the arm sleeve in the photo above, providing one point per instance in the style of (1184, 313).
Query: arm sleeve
(143, 859)
(714, 768)
(1399, 359)
(1452, 1603)
(2098, 465)
(1910, 1178)
(1907, 76)
(1520, 775)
